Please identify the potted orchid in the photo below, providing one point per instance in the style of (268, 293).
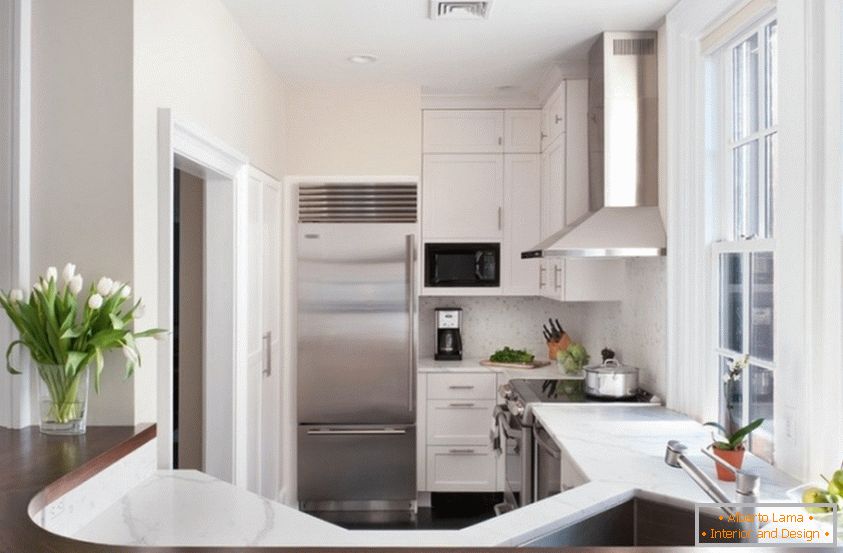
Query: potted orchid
(66, 335)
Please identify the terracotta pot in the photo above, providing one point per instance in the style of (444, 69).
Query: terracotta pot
(733, 457)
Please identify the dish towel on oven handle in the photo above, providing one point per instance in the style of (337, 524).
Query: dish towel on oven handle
(495, 430)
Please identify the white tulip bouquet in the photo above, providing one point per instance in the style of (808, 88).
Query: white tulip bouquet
(65, 335)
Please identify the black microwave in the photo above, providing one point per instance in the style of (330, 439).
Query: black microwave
(462, 265)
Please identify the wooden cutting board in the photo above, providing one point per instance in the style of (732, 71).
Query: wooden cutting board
(537, 363)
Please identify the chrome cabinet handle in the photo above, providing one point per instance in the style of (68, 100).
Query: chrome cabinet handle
(461, 451)
(267, 348)
(460, 387)
(460, 405)
(372, 432)
(557, 276)
(500, 218)
(542, 272)
(500, 141)
(411, 292)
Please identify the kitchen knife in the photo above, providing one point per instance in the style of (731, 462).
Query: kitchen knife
(548, 333)
(556, 334)
(559, 327)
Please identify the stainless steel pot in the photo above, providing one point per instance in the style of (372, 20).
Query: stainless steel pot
(611, 380)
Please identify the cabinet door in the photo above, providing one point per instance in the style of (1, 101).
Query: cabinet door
(521, 222)
(461, 469)
(452, 131)
(553, 115)
(553, 188)
(459, 422)
(576, 145)
(462, 197)
(522, 131)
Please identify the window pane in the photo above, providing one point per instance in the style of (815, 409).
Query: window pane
(731, 396)
(771, 143)
(746, 197)
(745, 87)
(771, 75)
(761, 306)
(731, 302)
(761, 406)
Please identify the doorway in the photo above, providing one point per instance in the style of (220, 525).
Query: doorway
(188, 319)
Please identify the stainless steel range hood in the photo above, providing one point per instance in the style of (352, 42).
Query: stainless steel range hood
(624, 218)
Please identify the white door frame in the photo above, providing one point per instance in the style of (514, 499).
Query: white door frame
(187, 147)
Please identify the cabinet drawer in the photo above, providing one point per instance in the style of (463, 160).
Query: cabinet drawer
(461, 469)
(461, 386)
(459, 422)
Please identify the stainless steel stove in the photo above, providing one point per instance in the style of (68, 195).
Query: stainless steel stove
(524, 460)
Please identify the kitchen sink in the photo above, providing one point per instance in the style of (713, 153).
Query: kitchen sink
(638, 522)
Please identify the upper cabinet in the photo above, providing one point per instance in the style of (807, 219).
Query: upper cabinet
(469, 131)
(522, 131)
(554, 114)
(462, 197)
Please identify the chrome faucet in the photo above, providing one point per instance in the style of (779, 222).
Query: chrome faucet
(746, 485)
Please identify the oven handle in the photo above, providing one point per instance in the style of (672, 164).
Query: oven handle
(504, 424)
(552, 450)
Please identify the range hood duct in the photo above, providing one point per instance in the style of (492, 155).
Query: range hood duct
(624, 218)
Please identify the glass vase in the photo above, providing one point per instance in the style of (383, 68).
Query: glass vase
(62, 400)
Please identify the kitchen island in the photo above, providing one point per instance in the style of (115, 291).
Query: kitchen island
(618, 449)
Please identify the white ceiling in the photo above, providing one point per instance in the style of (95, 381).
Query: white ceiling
(310, 40)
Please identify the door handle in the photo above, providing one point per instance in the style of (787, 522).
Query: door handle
(460, 387)
(500, 218)
(370, 432)
(542, 272)
(267, 348)
(411, 292)
(557, 276)
(461, 451)
(460, 405)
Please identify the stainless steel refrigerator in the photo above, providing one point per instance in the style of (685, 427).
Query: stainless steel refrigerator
(356, 346)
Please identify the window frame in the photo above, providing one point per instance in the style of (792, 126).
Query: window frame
(724, 240)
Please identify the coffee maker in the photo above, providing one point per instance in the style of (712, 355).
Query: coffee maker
(448, 342)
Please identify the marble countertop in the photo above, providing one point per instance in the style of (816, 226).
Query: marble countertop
(430, 365)
(619, 449)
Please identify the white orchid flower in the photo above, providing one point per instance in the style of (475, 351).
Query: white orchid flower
(68, 273)
(16, 295)
(104, 286)
(95, 301)
(51, 274)
(140, 311)
(115, 287)
(75, 284)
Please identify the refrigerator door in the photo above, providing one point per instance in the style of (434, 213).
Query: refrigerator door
(356, 323)
(356, 466)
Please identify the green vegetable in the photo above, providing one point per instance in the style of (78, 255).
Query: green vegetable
(509, 355)
(574, 358)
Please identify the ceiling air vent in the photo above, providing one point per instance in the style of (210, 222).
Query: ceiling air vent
(456, 9)
(634, 46)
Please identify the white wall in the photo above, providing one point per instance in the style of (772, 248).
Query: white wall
(190, 56)
(81, 187)
(353, 130)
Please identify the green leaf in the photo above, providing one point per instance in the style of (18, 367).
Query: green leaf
(100, 364)
(116, 322)
(9, 366)
(718, 427)
(76, 361)
(736, 439)
(150, 332)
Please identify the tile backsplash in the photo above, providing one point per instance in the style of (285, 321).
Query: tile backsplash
(635, 328)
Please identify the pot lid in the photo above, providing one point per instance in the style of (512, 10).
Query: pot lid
(612, 366)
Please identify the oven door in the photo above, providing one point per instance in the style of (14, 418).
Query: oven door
(547, 466)
(517, 449)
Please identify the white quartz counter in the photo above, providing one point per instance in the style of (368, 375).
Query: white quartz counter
(428, 365)
(619, 449)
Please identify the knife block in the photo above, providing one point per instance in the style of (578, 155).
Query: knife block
(554, 347)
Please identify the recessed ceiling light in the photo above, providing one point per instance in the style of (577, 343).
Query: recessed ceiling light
(362, 58)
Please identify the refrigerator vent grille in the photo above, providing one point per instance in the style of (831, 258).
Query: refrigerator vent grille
(358, 203)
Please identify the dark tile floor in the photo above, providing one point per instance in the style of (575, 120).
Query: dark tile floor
(448, 511)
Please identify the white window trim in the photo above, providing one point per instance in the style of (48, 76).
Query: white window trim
(808, 225)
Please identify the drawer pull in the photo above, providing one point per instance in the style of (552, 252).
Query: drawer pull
(461, 451)
(460, 387)
(461, 405)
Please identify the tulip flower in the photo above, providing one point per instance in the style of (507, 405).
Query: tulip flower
(95, 301)
(16, 295)
(126, 291)
(38, 288)
(51, 274)
(115, 287)
(75, 284)
(68, 273)
(104, 286)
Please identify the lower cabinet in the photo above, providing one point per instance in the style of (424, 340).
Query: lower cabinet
(454, 447)
(461, 469)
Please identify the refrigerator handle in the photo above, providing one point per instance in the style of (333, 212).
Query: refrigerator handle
(411, 292)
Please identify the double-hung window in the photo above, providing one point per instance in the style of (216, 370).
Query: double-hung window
(743, 253)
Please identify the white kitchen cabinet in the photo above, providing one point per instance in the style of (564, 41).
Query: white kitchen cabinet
(463, 131)
(264, 335)
(553, 187)
(461, 469)
(462, 197)
(455, 414)
(576, 150)
(522, 131)
(521, 223)
(554, 116)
